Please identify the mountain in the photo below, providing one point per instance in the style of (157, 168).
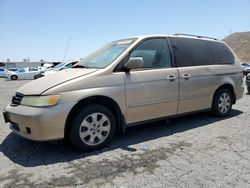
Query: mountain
(240, 43)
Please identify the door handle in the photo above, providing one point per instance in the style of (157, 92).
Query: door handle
(171, 77)
(186, 76)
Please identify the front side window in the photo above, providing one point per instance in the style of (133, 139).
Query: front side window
(155, 53)
(106, 55)
(190, 52)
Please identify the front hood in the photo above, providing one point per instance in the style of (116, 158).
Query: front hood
(40, 85)
(49, 72)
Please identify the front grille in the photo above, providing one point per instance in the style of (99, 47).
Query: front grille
(16, 100)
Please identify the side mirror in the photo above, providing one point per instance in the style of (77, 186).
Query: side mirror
(134, 63)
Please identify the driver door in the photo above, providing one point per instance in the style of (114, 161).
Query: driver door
(152, 92)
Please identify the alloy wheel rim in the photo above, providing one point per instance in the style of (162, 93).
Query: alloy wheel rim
(224, 103)
(94, 129)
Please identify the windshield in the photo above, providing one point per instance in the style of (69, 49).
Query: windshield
(106, 55)
(59, 65)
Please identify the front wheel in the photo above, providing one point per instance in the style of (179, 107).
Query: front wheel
(92, 128)
(222, 102)
(14, 77)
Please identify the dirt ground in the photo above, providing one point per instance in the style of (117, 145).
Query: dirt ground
(193, 151)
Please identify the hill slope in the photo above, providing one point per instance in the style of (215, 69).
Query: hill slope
(240, 43)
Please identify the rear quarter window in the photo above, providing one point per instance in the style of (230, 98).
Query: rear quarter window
(220, 53)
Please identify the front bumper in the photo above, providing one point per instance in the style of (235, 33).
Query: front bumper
(7, 77)
(39, 124)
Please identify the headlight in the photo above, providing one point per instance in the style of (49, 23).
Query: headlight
(40, 101)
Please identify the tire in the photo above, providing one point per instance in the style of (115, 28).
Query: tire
(92, 128)
(14, 77)
(222, 102)
(248, 89)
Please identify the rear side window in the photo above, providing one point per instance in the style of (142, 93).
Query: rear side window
(220, 53)
(190, 52)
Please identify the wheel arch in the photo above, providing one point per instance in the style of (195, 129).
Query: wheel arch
(230, 87)
(14, 75)
(101, 100)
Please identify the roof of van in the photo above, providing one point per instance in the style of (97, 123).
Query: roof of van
(180, 36)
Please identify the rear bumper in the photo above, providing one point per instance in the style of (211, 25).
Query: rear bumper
(38, 124)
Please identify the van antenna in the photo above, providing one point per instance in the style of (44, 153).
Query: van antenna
(67, 48)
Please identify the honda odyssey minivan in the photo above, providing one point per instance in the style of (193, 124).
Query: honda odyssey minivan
(128, 82)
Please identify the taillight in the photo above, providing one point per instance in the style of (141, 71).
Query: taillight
(241, 77)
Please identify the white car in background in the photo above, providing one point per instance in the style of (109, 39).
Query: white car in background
(46, 66)
(22, 74)
(61, 66)
(3, 71)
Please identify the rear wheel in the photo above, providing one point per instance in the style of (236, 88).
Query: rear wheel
(92, 128)
(222, 102)
(14, 77)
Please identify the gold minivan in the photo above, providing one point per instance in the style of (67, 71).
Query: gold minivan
(127, 82)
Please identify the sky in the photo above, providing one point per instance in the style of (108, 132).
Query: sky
(42, 29)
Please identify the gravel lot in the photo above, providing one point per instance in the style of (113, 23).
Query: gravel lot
(192, 151)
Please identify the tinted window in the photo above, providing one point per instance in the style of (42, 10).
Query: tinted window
(190, 52)
(33, 69)
(220, 53)
(155, 53)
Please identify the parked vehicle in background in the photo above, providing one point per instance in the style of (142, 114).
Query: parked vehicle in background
(248, 82)
(46, 66)
(246, 71)
(59, 67)
(23, 73)
(246, 68)
(128, 82)
(3, 71)
(13, 69)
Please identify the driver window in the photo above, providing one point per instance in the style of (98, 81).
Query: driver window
(155, 53)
